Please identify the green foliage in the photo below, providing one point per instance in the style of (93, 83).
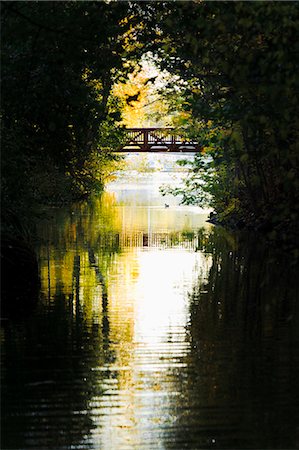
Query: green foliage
(234, 75)
(238, 66)
(59, 119)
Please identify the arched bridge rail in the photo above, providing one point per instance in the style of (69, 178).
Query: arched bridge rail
(157, 140)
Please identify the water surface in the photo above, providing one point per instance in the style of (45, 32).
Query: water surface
(154, 330)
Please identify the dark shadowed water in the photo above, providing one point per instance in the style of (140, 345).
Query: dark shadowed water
(154, 330)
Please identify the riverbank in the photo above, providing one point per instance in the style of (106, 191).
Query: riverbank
(284, 235)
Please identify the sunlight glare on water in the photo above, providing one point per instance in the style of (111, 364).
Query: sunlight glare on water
(148, 298)
(154, 330)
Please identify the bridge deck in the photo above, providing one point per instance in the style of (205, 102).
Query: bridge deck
(157, 140)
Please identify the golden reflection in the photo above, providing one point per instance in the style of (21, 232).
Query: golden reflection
(128, 269)
(153, 333)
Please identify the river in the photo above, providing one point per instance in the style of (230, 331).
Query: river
(154, 330)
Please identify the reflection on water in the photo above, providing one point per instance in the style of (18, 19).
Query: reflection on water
(154, 330)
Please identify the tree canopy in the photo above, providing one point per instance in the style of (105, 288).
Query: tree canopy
(233, 78)
(59, 63)
(239, 65)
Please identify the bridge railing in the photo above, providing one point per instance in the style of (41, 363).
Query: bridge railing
(155, 139)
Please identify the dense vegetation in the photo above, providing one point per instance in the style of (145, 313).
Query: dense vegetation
(236, 91)
(237, 63)
(59, 62)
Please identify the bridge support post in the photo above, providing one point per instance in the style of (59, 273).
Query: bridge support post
(172, 146)
(145, 139)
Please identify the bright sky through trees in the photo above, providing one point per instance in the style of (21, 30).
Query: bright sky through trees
(140, 95)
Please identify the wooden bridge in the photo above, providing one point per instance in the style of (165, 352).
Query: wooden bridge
(157, 140)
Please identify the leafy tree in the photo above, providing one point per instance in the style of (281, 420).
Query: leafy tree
(59, 119)
(238, 66)
(233, 69)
